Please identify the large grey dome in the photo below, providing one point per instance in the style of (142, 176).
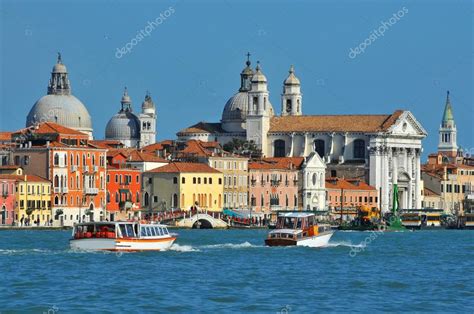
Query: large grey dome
(59, 105)
(66, 110)
(236, 107)
(123, 126)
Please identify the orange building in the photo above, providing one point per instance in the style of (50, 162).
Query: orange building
(123, 188)
(76, 168)
(350, 193)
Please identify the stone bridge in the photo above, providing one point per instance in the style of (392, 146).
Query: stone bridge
(202, 221)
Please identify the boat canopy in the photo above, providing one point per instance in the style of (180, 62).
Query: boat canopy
(296, 215)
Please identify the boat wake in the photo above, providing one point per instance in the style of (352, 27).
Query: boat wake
(345, 244)
(183, 248)
(26, 251)
(243, 245)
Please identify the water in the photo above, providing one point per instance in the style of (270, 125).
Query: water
(231, 270)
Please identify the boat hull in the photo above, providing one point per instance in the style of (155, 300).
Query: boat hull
(315, 241)
(122, 244)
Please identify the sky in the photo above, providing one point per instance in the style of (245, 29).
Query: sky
(191, 59)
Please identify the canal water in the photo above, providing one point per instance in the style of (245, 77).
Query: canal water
(232, 271)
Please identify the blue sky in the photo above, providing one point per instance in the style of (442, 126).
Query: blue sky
(191, 61)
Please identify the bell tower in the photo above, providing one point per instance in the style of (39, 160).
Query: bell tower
(291, 99)
(447, 131)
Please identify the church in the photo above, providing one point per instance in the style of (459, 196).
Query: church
(382, 149)
(62, 107)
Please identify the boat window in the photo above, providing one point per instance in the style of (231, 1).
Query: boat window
(165, 231)
(130, 232)
(143, 231)
(153, 231)
(288, 223)
(159, 231)
(299, 224)
(148, 232)
(123, 231)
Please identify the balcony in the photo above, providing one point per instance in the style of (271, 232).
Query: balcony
(275, 182)
(125, 205)
(57, 190)
(95, 168)
(275, 207)
(65, 189)
(73, 168)
(86, 168)
(92, 191)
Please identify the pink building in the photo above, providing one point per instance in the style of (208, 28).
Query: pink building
(7, 200)
(273, 184)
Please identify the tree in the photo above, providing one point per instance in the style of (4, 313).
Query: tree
(242, 147)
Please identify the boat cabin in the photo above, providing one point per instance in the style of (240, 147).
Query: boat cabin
(113, 230)
(298, 225)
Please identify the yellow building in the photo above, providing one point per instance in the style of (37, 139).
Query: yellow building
(182, 185)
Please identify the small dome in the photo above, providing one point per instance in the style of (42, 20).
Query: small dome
(123, 126)
(148, 102)
(258, 76)
(236, 107)
(59, 68)
(292, 79)
(126, 99)
(66, 110)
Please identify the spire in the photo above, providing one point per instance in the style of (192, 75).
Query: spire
(448, 111)
(258, 75)
(292, 79)
(246, 76)
(59, 83)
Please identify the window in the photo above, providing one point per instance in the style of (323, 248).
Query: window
(183, 180)
(194, 180)
(175, 180)
(56, 159)
(220, 181)
(138, 179)
(205, 180)
(199, 180)
(319, 147)
(26, 160)
(279, 148)
(155, 199)
(359, 149)
(210, 180)
(108, 178)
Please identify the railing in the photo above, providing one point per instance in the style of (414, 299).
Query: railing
(73, 168)
(275, 207)
(65, 189)
(95, 168)
(275, 182)
(91, 190)
(57, 190)
(86, 168)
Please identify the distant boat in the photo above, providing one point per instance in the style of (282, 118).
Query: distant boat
(299, 229)
(121, 236)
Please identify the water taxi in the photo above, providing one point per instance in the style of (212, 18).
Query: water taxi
(425, 219)
(299, 229)
(121, 236)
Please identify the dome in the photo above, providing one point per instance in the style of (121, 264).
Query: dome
(66, 110)
(236, 107)
(59, 68)
(258, 76)
(148, 102)
(292, 79)
(123, 126)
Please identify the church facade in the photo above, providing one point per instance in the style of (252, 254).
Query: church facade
(381, 149)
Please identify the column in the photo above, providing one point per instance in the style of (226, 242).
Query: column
(305, 147)
(292, 137)
(409, 163)
(417, 178)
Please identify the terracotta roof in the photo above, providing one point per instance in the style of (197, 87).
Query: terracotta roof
(29, 178)
(348, 184)
(196, 148)
(136, 155)
(284, 163)
(203, 127)
(334, 123)
(51, 127)
(107, 143)
(5, 136)
(177, 167)
(428, 192)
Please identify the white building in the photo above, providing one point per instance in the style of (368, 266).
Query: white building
(383, 149)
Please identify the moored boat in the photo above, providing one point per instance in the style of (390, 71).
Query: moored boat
(121, 236)
(299, 229)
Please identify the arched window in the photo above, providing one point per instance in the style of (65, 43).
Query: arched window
(108, 197)
(145, 199)
(56, 200)
(279, 148)
(56, 181)
(56, 159)
(320, 148)
(175, 200)
(314, 179)
(359, 149)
